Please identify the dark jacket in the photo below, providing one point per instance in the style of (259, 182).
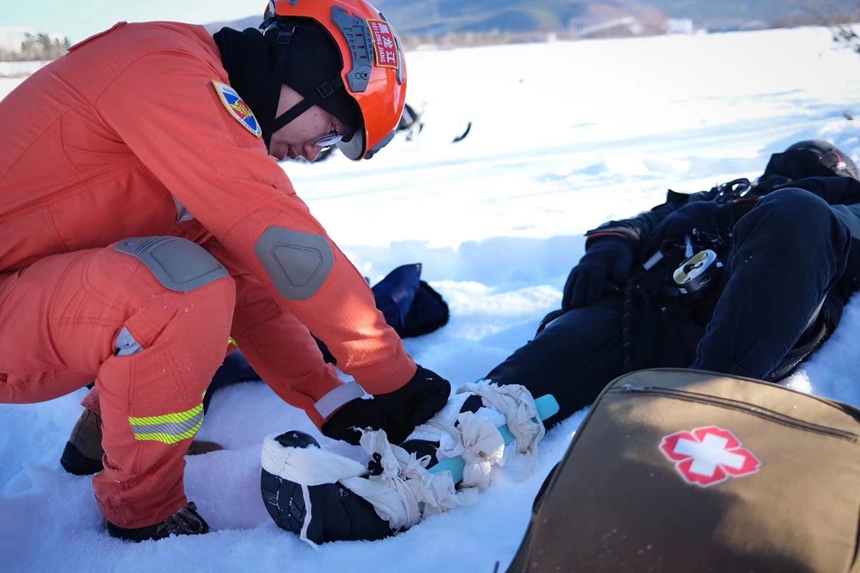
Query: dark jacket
(662, 328)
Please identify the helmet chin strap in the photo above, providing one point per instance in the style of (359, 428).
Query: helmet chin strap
(322, 91)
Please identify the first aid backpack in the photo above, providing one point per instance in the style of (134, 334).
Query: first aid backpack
(688, 471)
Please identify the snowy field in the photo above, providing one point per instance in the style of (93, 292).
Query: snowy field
(564, 136)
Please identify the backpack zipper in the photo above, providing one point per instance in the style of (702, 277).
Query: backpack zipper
(735, 405)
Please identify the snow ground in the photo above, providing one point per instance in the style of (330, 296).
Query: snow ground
(564, 136)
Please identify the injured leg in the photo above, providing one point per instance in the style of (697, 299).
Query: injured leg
(324, 497)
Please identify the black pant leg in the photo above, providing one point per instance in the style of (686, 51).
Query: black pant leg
(573, 358)
(787, 253)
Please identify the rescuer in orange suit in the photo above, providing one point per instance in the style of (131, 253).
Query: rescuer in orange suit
(144, 220)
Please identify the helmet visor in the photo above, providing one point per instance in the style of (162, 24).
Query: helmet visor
(328, 139)
(354, 148)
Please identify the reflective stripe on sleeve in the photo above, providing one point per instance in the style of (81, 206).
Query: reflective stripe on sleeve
(169, 428)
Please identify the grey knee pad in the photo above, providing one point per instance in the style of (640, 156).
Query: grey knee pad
(179, 264)
(298, 263)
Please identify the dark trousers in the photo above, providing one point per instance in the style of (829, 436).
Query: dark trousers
(787, 253)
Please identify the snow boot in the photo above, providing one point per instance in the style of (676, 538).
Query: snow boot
(83, 453)
(186, 521)
(329, 512)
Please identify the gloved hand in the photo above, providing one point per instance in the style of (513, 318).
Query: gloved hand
(696, 219)
(397, 412)
(770, 183)
(609, 258)
(707, 222)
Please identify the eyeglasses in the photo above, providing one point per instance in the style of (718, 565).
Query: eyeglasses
(330, 138)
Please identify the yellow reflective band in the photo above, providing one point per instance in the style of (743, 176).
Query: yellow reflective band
(167, 418)
(169, 438)
(169, 428)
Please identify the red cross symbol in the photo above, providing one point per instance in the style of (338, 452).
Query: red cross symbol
(708, 456)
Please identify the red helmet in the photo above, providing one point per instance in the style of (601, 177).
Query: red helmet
(374, 72)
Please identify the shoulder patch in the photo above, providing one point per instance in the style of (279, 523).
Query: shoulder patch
(238, 108)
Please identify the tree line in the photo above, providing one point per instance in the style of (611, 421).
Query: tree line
(36, 47)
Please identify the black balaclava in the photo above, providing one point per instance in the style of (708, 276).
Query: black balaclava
(310, 62)
(251, 61)
(302, 56)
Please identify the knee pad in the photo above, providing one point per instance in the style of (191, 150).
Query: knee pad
(179, 265)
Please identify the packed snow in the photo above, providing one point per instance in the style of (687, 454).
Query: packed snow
(564, 136)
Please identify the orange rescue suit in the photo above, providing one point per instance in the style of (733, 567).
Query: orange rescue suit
(125, 136)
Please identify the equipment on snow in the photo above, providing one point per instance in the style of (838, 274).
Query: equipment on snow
(463, 135)
(410, 306)
(324, 497)
(683, 470)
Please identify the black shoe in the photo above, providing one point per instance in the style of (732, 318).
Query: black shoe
(186, 521)
(337, 514)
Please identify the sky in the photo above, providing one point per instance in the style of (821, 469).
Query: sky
(78, 20)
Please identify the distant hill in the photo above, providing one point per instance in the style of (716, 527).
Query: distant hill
(743, 14)
(582, 17)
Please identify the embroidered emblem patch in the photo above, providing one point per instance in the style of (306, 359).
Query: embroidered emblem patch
(384, 45)
(708, 456)
(238, 108)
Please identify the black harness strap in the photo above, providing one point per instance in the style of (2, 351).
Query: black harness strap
(323, 91)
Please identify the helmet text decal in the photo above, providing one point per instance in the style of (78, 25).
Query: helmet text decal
(384, 46)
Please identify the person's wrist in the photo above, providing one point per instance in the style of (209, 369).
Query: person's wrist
(619, 236)
(336, 398)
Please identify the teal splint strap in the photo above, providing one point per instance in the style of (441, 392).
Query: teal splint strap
(546, 407)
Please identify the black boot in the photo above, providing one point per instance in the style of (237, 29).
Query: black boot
(83, 453)
(186, 521)
(337, 514)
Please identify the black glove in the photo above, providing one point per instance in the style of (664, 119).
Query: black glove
(397, 412)
(706, 222)
(765, 185)
(608, 259)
